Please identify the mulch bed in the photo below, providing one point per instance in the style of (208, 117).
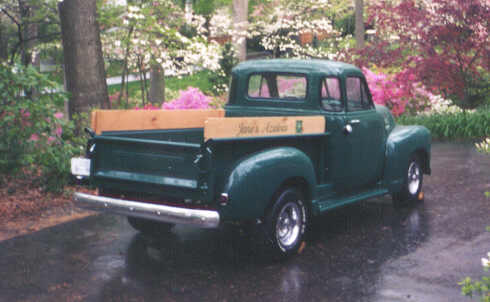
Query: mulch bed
(26, 208)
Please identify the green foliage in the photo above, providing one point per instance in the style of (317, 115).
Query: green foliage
(221, 79)
(15, 19)
(229, 59)
(452, 125)
(253, 44)
(34, 136)
(19, 114)
(480, 288)
(204, 7)
(114, 68)
(346, 24)
(477, 91)
(54, 161)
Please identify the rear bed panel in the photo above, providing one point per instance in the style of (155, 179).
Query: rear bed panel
(143, 165)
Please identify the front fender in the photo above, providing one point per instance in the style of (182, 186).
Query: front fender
(401, 143)
(255, 178)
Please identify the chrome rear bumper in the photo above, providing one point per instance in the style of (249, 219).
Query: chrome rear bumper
(156, 212)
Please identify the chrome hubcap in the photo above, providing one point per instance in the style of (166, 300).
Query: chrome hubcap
(288, 225)
(413, 178)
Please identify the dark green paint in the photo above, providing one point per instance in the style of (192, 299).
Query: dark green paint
(254, 180)
(334, 168)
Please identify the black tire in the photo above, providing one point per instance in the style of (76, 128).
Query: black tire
(412, 184)
(149, 227)
(285, 223)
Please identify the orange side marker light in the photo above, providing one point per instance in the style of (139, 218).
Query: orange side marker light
(301, 247)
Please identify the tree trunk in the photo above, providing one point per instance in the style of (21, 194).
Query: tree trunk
(157, 85)
(127, 89)
(82, 50)
(142, 81)
(25, 14)
(125, 68)
(145, 83)
(240, 18)
(359, 10)
(3, 43)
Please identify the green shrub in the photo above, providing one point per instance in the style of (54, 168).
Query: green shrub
(465, 125)
(34, 135)
(221, 79)
(481, 288)
(54, 160)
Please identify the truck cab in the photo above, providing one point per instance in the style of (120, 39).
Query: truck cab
(337, 91)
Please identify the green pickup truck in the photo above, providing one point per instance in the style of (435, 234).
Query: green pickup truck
(276, 178)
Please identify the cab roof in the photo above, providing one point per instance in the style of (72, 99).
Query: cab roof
(333, 68)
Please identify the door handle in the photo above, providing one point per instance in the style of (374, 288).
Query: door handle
(355, 122)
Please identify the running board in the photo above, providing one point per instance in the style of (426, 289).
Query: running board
(332, 203)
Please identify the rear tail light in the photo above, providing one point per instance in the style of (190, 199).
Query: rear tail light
(223, 199)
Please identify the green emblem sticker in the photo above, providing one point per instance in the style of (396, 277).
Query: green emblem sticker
(299, 126)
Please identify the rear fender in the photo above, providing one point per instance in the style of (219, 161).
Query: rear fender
(253, 181)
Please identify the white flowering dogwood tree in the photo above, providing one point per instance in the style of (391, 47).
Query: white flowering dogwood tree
(279, 25)
(151, 33)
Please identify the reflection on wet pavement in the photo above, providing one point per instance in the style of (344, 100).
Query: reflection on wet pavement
(365, 252)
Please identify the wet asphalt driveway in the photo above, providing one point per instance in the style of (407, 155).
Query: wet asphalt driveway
(364, 252)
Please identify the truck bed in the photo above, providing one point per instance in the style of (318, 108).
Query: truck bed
(177, 166)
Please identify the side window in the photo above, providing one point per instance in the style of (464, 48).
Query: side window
(277, 86)
(365, 99)
(330, 96)
(354, 95)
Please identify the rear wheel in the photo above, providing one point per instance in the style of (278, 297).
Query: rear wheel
(412, 185)
(286, 222)
(149, 227)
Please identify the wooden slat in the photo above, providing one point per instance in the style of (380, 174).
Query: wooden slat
(120, 120)
(262, 126)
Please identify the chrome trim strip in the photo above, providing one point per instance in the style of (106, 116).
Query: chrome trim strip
(169, 214)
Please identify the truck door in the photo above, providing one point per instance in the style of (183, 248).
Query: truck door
(339, 153)
(364, 130)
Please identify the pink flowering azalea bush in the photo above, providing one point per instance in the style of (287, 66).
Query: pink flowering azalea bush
(192, 98)
(34, 135)
(399, 92)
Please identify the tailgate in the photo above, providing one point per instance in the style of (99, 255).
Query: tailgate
(150, 166)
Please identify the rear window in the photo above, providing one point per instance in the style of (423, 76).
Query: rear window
(277, 86)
